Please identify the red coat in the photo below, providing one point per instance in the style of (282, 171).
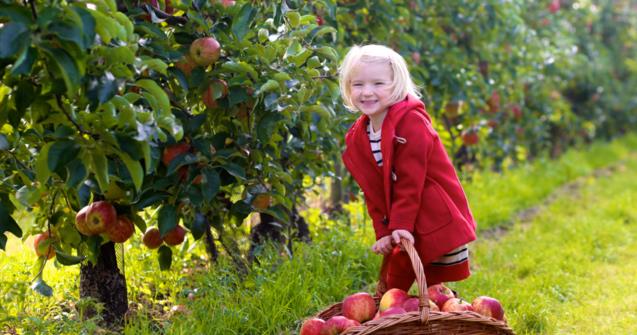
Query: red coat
(423, 194)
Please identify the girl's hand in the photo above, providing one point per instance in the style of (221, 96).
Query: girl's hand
(383, 245)
(401, 233)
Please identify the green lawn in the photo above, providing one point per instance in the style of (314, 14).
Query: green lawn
(569, 269)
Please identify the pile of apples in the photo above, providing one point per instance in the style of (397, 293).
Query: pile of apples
(360, 307)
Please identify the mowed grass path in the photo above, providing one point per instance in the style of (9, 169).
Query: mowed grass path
(572, 268)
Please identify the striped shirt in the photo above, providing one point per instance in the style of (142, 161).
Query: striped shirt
(374, 141)
(456, 256)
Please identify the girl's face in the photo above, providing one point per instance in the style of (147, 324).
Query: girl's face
(371, 87)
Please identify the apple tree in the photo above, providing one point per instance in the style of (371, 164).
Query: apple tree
(165, 115)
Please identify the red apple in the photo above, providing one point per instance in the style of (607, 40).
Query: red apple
(217, 89)
(488, 306)
(205, 51)
(413, 304)
(554, 6)
(415, 56)
(338, 324)
(456, 305)
(312, 326)
(494, 102)
(227, 3)
(392, 310)
(516, 111)
(393, 298)
(470, 137)
(359, 306)
(175, 236)
(186, 65)
(439, 294)
(42, 245)
(80, 222)
(172, 151)
(100, 216)
(262, 201)
(121, 231)
(152, 238)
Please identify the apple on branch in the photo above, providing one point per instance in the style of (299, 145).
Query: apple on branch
(121, 231)
(205, 51)
(175, 236)
(100, 216)
(152, 238)
(43, 245)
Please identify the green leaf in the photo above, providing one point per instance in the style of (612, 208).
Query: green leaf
(16, 13)
(14, 36)
(235, 170)
(165, 257)
(241, 21)
(61, 153)
(4, 144)
(108, 28)
(269, 86)
(240, 210)
(42, 172)
(41, 287)
(150, 198)
(68, 31)
(328, 52)
(241, 68)
(7, 223)
(134, 168)
(25, 62)
(198, 226)
(167, 219)
(100, 168)
(66, 259)
(67, 67)
(28, 195)
(155, 64)
(267, 125)
(126, 23)
(158, 93)
(210, 187)
(88, 26)
(77, 173)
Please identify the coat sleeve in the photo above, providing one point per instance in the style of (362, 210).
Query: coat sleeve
(380, 228)
(410, 164)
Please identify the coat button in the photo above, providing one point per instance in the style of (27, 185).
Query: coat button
(385, 221)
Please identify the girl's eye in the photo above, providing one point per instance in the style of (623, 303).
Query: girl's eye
(357, 84)
(379, 83)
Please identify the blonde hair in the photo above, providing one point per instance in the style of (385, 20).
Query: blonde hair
(374, 53)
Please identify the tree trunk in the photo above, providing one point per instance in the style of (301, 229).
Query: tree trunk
(105, 283)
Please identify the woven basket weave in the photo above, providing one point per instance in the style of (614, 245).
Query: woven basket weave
(424, 321)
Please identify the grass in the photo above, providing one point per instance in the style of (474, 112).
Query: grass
(568, 271)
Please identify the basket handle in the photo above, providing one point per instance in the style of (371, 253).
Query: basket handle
(421, 280)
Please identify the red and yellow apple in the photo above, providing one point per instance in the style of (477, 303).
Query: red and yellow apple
(312, 326)
(122, 230)
(42, 245)
(175, 236)
(392, 310)
(338, 324)
(205, 51)
(439, 294)
(456, 305)
(488, 306)
(152, 238)
(100, 216)
(262, 201)
(393, 298)
(80, 222)
(359, 306)
(470, 137)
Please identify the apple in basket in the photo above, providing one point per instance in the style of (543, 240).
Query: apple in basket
(338, 324)
(392, 311)
(393, 298)
(488, 306)
(312, 326)
(439, 294)
(412, 304)
(359, 306)
(456, 305)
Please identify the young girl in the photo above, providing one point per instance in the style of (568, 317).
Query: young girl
(411, 188)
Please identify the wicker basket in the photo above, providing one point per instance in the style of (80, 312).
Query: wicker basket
(423, 322)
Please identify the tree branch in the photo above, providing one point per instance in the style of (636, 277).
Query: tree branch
(32, 5)
(68, 116)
